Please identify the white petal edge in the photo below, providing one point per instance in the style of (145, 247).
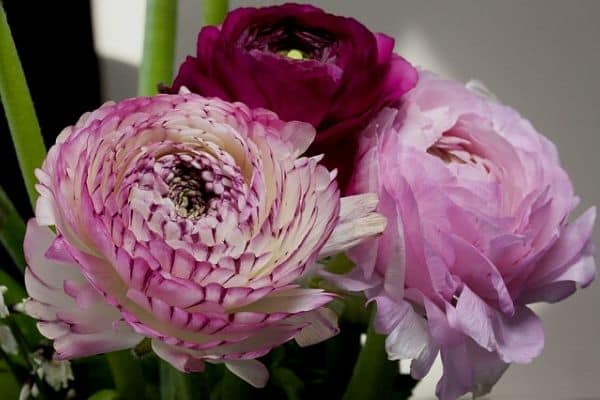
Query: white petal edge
(322, 326)
(78, 335)
(479, 88)
(358, 222)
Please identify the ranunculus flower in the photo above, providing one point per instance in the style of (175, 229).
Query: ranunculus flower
(187, 221)
(303, 64)
(477, 206)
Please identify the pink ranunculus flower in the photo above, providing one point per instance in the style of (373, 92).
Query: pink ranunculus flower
(477, 206)
(187, 221)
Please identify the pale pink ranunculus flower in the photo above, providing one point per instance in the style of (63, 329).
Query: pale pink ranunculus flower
(477, 206)
(188, 221)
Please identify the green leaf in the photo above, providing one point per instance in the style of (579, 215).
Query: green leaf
(159, 45)
(20, 113)
(105, 394)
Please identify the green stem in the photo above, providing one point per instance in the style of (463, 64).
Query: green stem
(373, 374)
(233, 387)
(159, 45)
(176, 385)
(12, 231)
(127, 375)
(20, 113)
(214, 11)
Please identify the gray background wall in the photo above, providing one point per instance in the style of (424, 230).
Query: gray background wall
(540, 56)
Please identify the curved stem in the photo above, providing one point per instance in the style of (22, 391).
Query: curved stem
(159, 45)
(373, 374)
(214, 11)
(127, 374)
(20, 113)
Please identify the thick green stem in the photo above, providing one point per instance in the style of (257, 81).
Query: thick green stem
(127, 375)
(12, 231)
(20, 113)
(159, 45)
(213, 11)
(373, 374)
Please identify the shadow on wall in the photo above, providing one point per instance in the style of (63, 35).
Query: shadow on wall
(118, 80)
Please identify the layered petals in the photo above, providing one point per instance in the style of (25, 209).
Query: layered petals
(304, 64)
(478, 208)
(190, 222)
(68, 308)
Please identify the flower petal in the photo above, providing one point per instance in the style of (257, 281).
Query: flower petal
(184, 362)
(358, 222)
(252, 371)
(321, 325)
(79, 327)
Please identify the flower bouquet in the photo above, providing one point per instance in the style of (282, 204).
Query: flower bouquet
(295, 212)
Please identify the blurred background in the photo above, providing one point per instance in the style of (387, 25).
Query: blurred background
(540, 56)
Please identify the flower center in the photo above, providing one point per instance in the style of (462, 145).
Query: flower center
(457, 151)
(294, 54)
(188, 192)
(293, 41)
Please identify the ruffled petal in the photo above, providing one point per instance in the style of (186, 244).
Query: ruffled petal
(517, 338)
(70, 311)
(468, 368)
(568, 263)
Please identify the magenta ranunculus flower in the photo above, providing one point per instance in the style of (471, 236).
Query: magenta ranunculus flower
(477, 206)
(303, 64)
(187, 221)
